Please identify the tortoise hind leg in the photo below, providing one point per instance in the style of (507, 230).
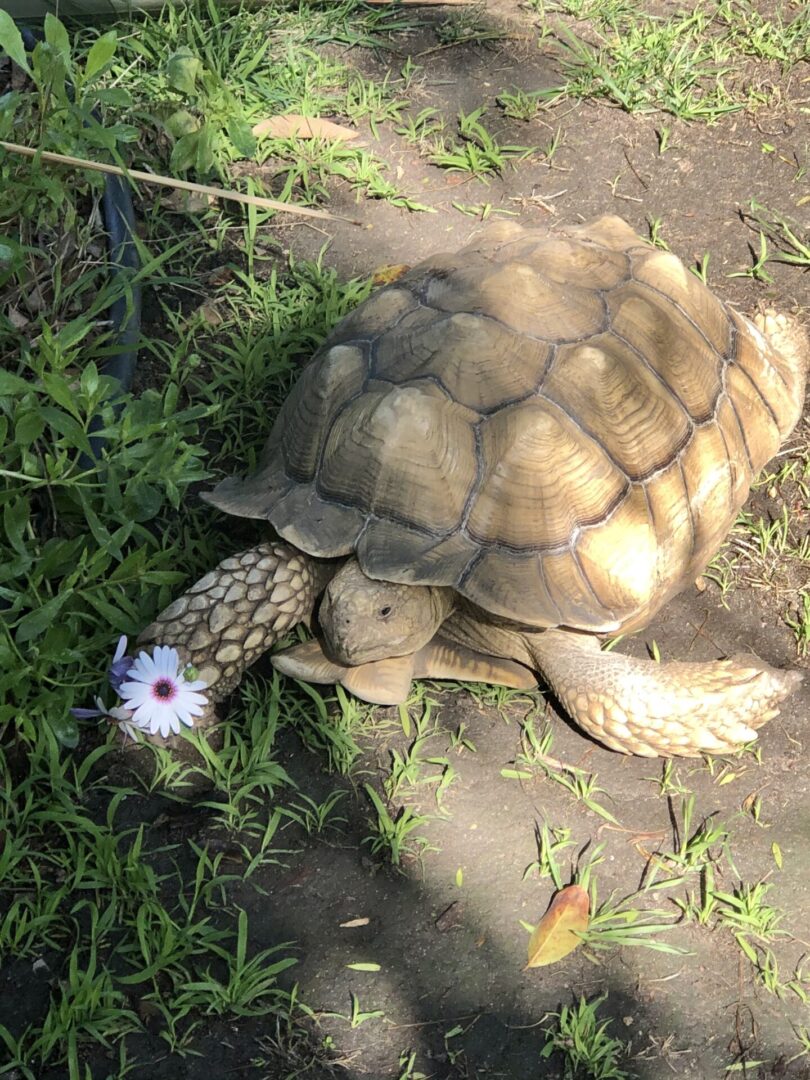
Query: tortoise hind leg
(673, 709)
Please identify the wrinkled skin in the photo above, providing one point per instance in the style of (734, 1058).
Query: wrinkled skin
(363, 620)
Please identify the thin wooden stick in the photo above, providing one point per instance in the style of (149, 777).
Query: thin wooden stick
(171, 182)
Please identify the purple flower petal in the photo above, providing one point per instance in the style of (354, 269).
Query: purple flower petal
(117, 672)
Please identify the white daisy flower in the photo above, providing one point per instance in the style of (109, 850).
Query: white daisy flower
(123, 717)
(160, 698)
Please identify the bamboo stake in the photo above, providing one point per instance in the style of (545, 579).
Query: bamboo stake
(171, 182)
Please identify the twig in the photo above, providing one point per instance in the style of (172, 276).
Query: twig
(172, 182)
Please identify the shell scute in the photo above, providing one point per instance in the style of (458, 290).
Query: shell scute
(671, 345)
(481, 363)
(621, 403)
(515, 294)
(542, 480)
(403, 454)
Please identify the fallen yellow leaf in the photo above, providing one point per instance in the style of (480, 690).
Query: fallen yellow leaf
(384, 275)
(557, 933)
(291, 125)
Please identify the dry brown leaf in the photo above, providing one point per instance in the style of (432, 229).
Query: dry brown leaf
(350, 925)
(302, 127)
(210, 313)
(220, 275)
(16, 318)
(187, 202)
(384, 275)
(557, 933)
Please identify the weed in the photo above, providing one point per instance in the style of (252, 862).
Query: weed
(656, 239)
(327, 732)
(519, 105)
(757, 269)
(358, 1016)
(409, 765)
(685, 64)
(618, 923)
(419, 128)
(799, 623)
(582, 786)
(745, 912)
(459, 740)
(694, 848)
(701, 268)
(407, 1066)
(792, 248)
(664, 135)
(550, 843)
(468, 24)
(669, 782)
(479, 154)
(250, 988)
(394, 834)
(584, 1044)
(316, 818)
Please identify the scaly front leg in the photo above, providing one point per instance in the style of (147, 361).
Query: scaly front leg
(230, 617)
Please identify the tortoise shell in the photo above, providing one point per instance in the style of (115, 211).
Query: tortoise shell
(561, 426)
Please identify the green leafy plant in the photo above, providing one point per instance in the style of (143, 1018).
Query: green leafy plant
(479, 154)
(582, 1041)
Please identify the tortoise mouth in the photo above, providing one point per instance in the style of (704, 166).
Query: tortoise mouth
(343, 653)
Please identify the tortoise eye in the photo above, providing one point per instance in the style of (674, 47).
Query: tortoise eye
(385, 612)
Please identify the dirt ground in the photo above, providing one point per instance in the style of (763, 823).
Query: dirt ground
(450, 946)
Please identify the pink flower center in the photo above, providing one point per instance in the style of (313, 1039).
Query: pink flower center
(164, 690)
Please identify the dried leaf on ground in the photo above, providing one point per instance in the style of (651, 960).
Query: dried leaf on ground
(558, 932)
(210, 313)
(291, 125)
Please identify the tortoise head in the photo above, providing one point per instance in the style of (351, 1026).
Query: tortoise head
(364, 620)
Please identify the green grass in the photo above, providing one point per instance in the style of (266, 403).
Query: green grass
(91, 549)
(686, 64)
(394, 833)
(581, 1041)
(479, 153)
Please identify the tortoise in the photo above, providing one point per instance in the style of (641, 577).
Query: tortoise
(495, 461)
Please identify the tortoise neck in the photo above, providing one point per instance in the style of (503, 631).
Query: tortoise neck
(442, 603)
